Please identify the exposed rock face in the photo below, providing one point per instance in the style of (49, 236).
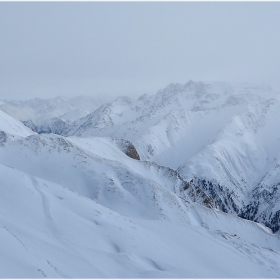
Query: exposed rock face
(263, 207)
(198, 195)
(131, 152)
(220, 195)
(128, 148)
(185, 190)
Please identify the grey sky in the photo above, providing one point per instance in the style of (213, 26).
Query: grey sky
(73, 48)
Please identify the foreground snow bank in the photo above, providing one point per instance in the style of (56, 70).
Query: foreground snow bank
(48, 230)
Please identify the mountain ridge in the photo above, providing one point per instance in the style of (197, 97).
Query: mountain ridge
(173, 127)
(194, 167)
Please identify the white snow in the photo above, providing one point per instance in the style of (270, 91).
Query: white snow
(13, 126)
(79, 207)
(49, 231)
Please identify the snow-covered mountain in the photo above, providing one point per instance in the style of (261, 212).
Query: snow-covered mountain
(153, 187)
(160, 125)
(81, 207)
(222, 138)
(41, 111)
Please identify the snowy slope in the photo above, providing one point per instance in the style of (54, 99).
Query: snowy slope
(56, 159)
(222, 138)
(99, 170)
(80, 207)
(13, 126)
(49, 231)
(91, 207)
(239, 160)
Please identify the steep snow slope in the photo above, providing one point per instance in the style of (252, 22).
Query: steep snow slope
(240, 161)
(98, 169)
(109, 182)
(168, 178)
(74, 207)
(222, 138)
(13, 126)
(49, 231)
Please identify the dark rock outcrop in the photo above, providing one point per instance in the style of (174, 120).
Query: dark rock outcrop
(128, 148)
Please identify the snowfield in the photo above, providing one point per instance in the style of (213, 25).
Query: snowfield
(48, 230)
(151, 188)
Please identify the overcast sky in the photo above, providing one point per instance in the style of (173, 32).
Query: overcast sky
(49, 49)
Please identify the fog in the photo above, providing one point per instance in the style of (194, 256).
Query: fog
(92, 48)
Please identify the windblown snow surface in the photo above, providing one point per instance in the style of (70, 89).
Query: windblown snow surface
(79, 207)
